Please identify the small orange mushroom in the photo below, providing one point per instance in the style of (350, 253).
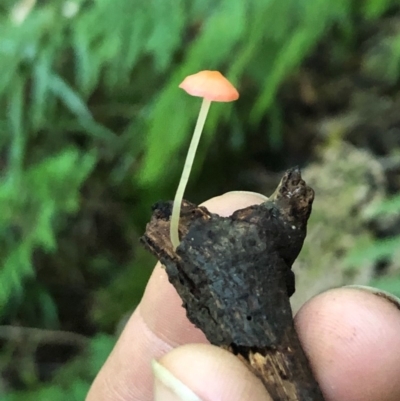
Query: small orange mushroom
(212, 86)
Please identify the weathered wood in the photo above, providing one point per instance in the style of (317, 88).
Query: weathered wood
(234, 277)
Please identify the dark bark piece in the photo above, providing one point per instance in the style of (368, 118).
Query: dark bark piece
(234, 277)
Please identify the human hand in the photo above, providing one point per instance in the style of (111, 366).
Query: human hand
(351, 336)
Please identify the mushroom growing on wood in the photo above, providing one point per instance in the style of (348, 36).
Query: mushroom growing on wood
(212, 86)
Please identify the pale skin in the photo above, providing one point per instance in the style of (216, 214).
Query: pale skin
(352, 338)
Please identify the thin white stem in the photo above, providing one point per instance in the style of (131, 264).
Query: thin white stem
(176, 208)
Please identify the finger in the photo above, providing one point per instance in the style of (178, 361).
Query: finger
(204, 372)
(158, 325)
(352, 339)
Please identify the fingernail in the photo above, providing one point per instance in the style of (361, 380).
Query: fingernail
(261, 196)
(168, 388)
(380, 293)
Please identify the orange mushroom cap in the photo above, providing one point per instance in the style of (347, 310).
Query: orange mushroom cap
(211, 85)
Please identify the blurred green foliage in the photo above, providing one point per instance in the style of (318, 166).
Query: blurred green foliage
(71, 382)
(380, 249)
(93, 130)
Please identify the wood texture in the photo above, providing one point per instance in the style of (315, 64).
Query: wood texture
(234, 277)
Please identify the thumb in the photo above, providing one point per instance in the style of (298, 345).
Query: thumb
(202, 372)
